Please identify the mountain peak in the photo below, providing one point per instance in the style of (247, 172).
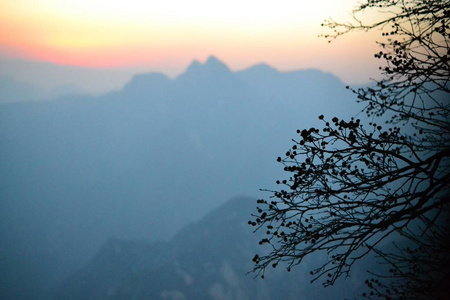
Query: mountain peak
(147, 81)
(194, 66)
(211, 67)
(261, 69)
(213, 62)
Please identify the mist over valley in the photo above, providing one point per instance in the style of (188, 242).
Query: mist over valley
(141, 163)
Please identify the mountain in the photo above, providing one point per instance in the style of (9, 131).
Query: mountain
(65, 79)
(210, 69)
(12, 90)
(208, 259)
(142, 162)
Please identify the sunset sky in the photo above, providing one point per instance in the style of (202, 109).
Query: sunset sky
(167, 35)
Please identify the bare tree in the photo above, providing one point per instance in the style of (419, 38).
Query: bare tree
(352, 186)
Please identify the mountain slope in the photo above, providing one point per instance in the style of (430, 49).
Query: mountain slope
(206, 260)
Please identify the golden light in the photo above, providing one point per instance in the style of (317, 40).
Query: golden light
(112, 33)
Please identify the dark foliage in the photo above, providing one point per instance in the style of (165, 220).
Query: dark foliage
(352, 188)
(421, 271)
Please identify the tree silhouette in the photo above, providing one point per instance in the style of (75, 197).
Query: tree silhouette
(354, 185)
(419, 272)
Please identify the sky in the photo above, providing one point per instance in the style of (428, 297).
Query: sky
(135, 36)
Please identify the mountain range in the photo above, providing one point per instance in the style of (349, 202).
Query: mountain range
(12, 90)
(143, 162)
(209, 259)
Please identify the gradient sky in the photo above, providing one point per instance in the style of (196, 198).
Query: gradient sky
(167, 35)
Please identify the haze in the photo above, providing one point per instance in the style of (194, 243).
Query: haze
(135, 137)
(109, 41)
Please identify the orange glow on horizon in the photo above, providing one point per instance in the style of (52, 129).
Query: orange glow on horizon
(132, 33)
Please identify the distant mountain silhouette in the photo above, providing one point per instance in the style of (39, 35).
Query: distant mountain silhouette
(12, 91)
(61, 79)
(142, 162)
(212, 67)
(142, 82)
(205, 260)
